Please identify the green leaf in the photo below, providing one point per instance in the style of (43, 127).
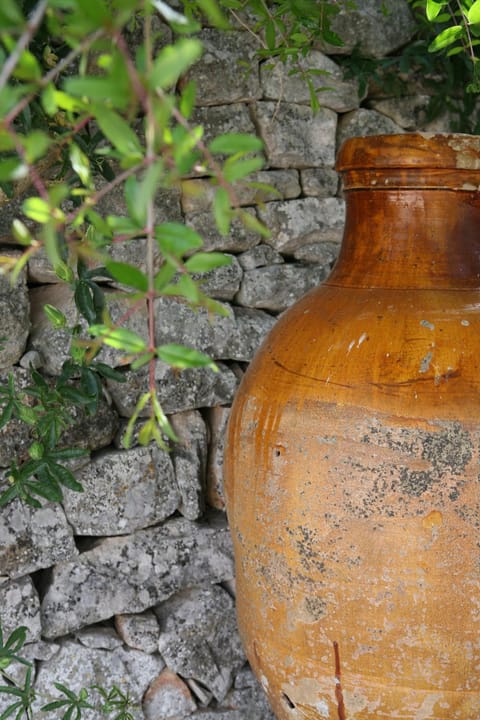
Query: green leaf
(37, 209)
(84, 300)
(203, 262)
(270, 35)
(230, 143)
(253, 223)
(473, 14)
(119, 338)
(118, 132)
(56, 316)
(12, 168)
(65, 477)
(48, 101)
(136, 202)
(80, 163)
(173, 61)
(128, 275)
(446, 37)
(181, 357)
(176, 239)
(237, 169)
(432, 9)
(10, 16)
(27, 67)
(222, 211)
(108, 372)
(36, 144)
(187, 99)
(21, 233)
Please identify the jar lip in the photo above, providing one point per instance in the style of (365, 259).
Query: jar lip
(410, 150)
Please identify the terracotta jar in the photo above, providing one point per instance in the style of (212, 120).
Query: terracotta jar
(352, 461)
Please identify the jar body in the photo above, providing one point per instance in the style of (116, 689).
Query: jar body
(352, 483)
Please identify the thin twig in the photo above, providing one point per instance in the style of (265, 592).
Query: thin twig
(23, 42)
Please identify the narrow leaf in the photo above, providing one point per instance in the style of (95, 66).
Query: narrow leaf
(173, 61)
(236, 142)
(203, 262)
(181, 357)
(128, 275)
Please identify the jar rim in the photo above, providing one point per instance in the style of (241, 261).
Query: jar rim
(410, 150)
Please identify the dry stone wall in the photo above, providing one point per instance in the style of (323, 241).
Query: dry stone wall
(132, 582)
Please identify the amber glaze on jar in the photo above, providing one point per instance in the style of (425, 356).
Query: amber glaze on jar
(352, 460)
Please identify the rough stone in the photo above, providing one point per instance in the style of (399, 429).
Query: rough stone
(19, 605)
(221, 283)
(217, 418)
(220, 119)
(318, 253)
(364, 122)
(168, 698)
(177, 391)
(99, 638)
(79, 667)
(223, 54)
(259, 257)
(277, 287)
(189, 456)
(375, 27)
(248, 697)
(131, 573)
(139, 631)
(53, 344)
(194, 387)
(294, 136)
(199, 639)
(33, 538)
(333, 91)
(239, 238)
(411, 113)
(233, 336)
(14, 311)
(124, 491)
(259, 187)
(302, 222)
(39, 268)
(319, 182)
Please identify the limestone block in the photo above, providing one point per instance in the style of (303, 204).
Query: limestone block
(79, 667)
(99, 638)
(260, 256)
(221, 283)
(333, 90)
(33, 538)
(168, 698)
(324, 253)
(238, 239)
(87, 432)
(194, 387)
(364, 122)
(220, 119)
(124, 491)
(235, 336)
(198, 194)
(319, 182)
(411, 113)
(375, 27)
(223, 53)
(304, 221)
(217, 418)
(19, 605)
(14, 312)
(189, 456)
(139, 630)
(199, 638)
(129, 574)
(294, 137)
(53, 344)
(276, 287)
(177, 391)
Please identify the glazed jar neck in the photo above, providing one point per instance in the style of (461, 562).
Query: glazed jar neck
(410, 237)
